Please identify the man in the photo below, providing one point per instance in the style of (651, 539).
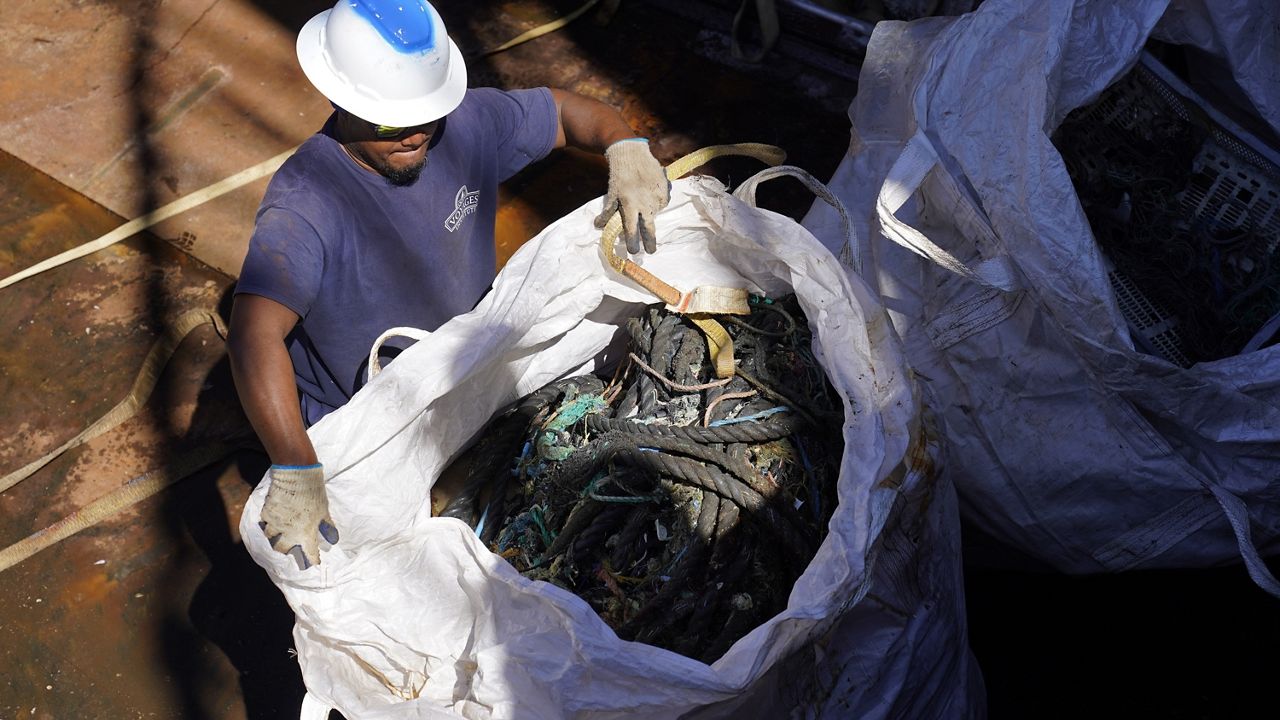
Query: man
(385, 219)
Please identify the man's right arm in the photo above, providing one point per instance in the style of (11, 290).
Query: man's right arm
(295, 513)
(263, 374)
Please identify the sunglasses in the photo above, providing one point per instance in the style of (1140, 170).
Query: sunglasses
(387, 132)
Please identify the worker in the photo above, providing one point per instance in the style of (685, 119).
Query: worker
(385, 218)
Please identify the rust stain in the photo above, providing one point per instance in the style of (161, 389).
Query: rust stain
(86, 587)
(919, 456)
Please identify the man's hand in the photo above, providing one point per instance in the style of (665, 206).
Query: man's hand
(296, 509)
(638, 188)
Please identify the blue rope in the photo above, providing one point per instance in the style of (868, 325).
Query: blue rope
(751, 418)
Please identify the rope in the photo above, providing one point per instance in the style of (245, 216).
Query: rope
(712, 479)
(752, 432)
(742, 395)
(777, 397)
(496, 448)
(619, 511)
(692, 562)
(673, 384)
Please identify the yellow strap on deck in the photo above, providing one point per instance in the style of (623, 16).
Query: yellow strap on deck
(141, 487)
(143, 384)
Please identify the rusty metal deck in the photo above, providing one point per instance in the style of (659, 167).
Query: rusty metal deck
(112, 618)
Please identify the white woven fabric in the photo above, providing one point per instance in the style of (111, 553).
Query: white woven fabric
(410, 616)
(1066, 443)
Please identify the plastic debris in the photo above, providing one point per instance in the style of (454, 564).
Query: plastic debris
(680, 507)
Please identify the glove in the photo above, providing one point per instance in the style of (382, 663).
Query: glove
(638, 188)
(295, 509)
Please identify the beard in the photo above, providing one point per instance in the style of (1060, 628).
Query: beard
(400, 177)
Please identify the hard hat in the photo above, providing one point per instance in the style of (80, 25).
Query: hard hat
(386, 61)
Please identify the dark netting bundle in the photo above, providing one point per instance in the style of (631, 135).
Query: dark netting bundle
(680, 507)
(1168, 215)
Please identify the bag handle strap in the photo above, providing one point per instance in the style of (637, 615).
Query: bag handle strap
(1237, 514)
(375, 367)
(850, 255)
(313, 708)
(905, 177)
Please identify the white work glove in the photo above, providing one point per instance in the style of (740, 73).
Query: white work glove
(296, 509)
(638, 188)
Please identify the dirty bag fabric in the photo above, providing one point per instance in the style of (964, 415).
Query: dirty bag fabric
(1241, 44)
(410, 616)
(353, 255)
(1065, 442)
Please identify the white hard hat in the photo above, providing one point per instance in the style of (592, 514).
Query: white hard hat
(386, 61)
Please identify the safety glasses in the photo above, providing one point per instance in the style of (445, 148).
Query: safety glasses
(389, 132)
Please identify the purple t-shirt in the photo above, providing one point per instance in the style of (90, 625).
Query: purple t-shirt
(354, 256)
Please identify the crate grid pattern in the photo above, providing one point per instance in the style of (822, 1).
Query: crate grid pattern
(1230, 185)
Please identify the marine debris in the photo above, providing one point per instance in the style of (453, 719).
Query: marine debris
(682, 508)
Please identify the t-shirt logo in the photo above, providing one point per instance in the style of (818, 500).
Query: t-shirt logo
(464, 203)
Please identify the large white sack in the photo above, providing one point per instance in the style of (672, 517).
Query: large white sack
(1244, 38)
(1065, 442)
(406, 604)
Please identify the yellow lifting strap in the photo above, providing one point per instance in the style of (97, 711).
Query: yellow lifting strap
(174, 333)
(700, 302)
(131, 493)
(141, 487)
(138, 224)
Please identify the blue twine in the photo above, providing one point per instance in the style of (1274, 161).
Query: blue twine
(750, 418)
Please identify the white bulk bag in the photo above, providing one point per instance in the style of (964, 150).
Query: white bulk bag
(1065, 442)
(410, 616)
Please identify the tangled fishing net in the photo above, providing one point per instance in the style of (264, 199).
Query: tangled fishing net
(682, 508)
(1202, 257)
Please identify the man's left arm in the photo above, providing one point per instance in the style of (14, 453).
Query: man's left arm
(638, 186)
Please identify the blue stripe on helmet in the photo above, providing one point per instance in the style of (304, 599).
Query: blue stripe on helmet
(405, 24)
